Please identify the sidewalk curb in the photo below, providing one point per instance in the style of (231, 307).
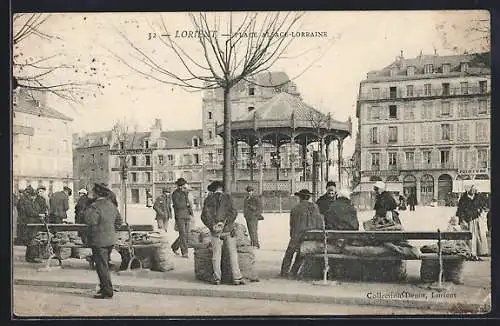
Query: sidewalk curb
(452, 307)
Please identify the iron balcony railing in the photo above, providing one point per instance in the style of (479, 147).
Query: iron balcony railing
(419, 92)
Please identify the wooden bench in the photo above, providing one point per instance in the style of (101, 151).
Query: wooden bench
(383, 236)
(83, 228)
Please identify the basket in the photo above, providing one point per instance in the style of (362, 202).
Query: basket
(452, 269)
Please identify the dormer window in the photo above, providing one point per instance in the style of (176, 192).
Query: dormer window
(394, 71)
(251, 91)
(161, 143)
(146, 144)
(428, 69)
(446, 68)
(196, 142)
(410, 71)
(464, 66)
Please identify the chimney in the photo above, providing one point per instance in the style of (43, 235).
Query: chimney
(156, 131)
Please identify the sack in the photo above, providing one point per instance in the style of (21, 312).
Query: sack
(241, 235)
(162, 257)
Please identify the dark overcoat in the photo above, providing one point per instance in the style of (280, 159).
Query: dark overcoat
(80, 207)
(102, 218)
(252, 207)
(324, 202)
(163, 207)
(342, 215)
(384, 203)
(469, 209)
(59, 204)
(182, 205)
(304, 216)
(218, 207)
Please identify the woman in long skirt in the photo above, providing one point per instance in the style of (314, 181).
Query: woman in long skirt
(470, 208)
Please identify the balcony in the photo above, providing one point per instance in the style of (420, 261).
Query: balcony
(422, 92)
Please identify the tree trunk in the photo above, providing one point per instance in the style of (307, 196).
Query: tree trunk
(227, 140)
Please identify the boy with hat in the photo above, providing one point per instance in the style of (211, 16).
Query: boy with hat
(252, 210)
(163, 209)
(183, 214)
(304, 216)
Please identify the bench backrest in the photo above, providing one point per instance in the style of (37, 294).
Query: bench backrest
(386, 235)
(83, 227)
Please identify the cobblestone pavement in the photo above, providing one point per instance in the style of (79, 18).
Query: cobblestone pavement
(42, 301)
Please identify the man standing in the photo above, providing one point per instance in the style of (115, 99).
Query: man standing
(42, 204)
(30, 211)
(326, 199)
(252, 210)
(83, 203)
(412, 200)
(183, 214)
(59, 204)
(163, 209)
(102, 218)
(218, 215)
(304, 216)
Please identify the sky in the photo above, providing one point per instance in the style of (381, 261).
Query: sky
(356, 43)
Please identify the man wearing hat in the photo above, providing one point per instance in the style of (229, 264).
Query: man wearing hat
(183, 214)
(304, 216)
(341, 215)
(102, 218)
(163, 209)
(59, 204)
(252, 210)
(327, 198)
(41, 200)
(218, 215)
(82, 204)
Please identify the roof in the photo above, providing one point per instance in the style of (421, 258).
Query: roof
(92, 139)
(476, 61)
(263, 79)
(29, 106)
(181, 138)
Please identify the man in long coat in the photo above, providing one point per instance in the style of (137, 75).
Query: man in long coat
(342, 215)
(59, 205)
(102, 218)
(304, 216)
(163, 209)
(384, 202)
(30, 211)
(252, 210)
(218, 215)
(183, 212)
(82, 204)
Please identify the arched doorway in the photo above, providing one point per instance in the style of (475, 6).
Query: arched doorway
(426, 189)
(409, 185)
(445, 187)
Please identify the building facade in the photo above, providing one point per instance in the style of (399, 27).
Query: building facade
(41, 144)
(424, 125)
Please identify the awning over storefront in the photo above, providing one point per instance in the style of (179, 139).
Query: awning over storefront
(482, 184)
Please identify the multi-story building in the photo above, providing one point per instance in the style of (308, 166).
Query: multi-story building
(424, 125)
(42, 151)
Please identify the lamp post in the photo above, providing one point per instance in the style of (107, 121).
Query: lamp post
(123, 169)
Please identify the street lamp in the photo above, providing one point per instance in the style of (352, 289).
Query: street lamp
(123, 171)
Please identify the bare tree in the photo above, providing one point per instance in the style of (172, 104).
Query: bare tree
(226, 57)
(465, 33)
(67, 78)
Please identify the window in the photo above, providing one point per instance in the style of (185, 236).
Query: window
(210, 157)
(251, 108)
(409, 133)
(251, 91)
(92, 157)
(446, 68)
(410, 111)
(464, 88)
(392, 159)
(134, 160)
(134, 176)
(393, 134)
(427, 89)
(428, 69)
(445, 131)
(445, 157)
(463, 109)
(393, 92)
(374, 135)
(426, 133)
(463, 131)
(210, 134)
(409, 157)
(170, 176)
(427, 110)
(426, 155)
(482, 158)
(446, 89)
(394, 71)
(482, 86)
(375, 161)
(482, 130)
(482, 107)
(375, 112)
(445, 108)
(161, 159)
(393, 111)
(209, 115)
(409, 90)
(148, 176)
(196, 158)
(148, 160)
(146, 144)
(187, 159)
(170, 157)
(196, 142)
(464, 66)
(410, 71)
(375, 93)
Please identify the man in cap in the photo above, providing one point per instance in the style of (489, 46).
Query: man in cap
(82, 204)
(304, 216)
(218, 215)
(163, 209)
(41, 200)
(252, 210)
(327, 198)
(183, 214)
(59, 204)
(102, 218)
(341, 215)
